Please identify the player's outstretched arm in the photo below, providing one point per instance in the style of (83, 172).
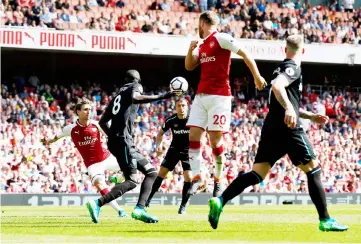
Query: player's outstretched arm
(317, 118)
(66, 132)
(140, 99)
(259, 81)
(49, 141)
(192, 59)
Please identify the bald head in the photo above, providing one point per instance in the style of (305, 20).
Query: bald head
(132, 76)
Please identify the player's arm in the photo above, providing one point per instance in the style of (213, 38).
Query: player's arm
(159, 141)
(106, 117)
(64, 133)
(139, 98)
(317, 118)
(228, 42)
(192, 58)
(279, 90)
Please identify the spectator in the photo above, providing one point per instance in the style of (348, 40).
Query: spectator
(155, 5)
(65, 16)
(203, 5)
(46, 17)
(348, 5)
(92, 3)
(120, 4)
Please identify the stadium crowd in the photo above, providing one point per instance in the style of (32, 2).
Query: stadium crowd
(32, 110)
(338, 22)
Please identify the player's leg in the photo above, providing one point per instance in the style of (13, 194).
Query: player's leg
(187, 185)
(110, 164)
(219, 158)
(163, 171)
(269, 151)
(302, 155)
(103, 188)
(150, 174)
(197, 122)
(124, 158)
(219, 119)
(170, 161)
(187, 182)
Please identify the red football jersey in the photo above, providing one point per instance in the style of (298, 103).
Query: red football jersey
(87, 140)
(215, 60)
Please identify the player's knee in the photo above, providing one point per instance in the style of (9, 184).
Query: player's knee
(313, 164)
(133, 178)
(215, 138)
(188, 176)
(152, 175)
(261, 169)
(99, 181)
(163, 172)
(195, 134)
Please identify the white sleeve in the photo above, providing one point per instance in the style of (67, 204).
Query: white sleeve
(228, 42)
(196, 52)
(65, 132)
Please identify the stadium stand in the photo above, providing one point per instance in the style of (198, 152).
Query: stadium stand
(251, 19)
(32, 110)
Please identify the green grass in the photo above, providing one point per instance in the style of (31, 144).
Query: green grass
(242, 224)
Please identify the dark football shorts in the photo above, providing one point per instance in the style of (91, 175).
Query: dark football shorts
(173, 157)
(129, 159)
(275, 143)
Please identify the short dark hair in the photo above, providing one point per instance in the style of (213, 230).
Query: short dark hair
(79, 105)
(181, 100)
(209, 17)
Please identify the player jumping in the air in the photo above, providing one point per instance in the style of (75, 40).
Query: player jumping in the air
(122, 112)
(282, 134)
(178, 151)
(211, 108)
(85, 135)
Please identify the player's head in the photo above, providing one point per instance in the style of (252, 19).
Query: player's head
(182, 107)
(294, 45)
(83, 110)
(207, 20)
(132, 76)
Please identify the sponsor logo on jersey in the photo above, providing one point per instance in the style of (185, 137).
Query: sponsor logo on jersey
(87, 141)
(206, 59)
(179, 132)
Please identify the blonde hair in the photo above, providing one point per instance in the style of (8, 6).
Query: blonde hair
(209, 17)
(294, 42)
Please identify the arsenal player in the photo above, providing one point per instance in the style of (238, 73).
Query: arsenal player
(211, 108)
(85, 135)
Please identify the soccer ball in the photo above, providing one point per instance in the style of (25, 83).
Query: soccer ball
(179, 84)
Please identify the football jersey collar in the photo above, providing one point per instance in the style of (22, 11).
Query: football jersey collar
(78, 123)
(212, 34)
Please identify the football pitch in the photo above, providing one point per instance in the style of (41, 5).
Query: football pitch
(238, 224)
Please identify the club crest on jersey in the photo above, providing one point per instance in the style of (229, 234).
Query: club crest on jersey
(175, 126)
(211, 44)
